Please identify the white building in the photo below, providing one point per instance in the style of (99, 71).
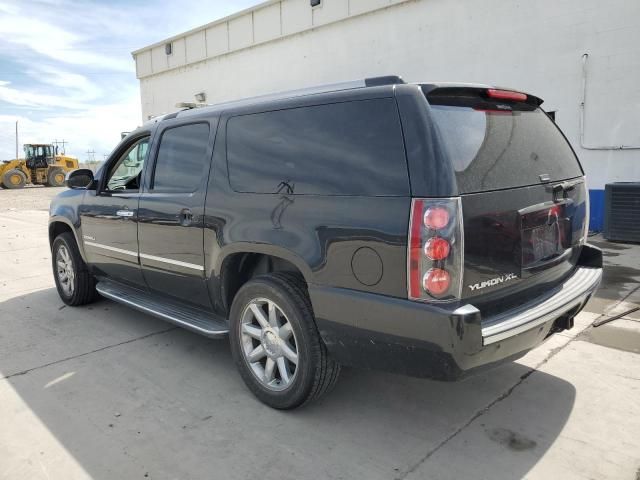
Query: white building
(556, 49)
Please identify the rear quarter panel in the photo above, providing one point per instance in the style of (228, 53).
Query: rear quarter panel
(319, 234)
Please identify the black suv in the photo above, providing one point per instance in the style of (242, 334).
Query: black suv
(426, 229)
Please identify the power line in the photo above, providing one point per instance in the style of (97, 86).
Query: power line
(62, 142)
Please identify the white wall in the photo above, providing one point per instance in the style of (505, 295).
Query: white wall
(532, 45)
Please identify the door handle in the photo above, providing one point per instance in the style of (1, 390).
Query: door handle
(124, 213)
(186, 217)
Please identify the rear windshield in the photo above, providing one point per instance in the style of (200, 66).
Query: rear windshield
(498, 145)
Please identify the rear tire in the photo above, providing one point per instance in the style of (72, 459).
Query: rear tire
(14, 179)
(289, 333)
(55, 177)
(76, 286)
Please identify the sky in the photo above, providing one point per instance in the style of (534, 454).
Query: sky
(66, 70)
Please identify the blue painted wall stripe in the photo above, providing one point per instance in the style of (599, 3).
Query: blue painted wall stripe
(597, 210)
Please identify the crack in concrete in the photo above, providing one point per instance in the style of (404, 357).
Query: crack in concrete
(107, 347)
(617, 303)
(483, 410)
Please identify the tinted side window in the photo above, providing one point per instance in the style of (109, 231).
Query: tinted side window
(182, 159)
(126, 172)
(352, 148)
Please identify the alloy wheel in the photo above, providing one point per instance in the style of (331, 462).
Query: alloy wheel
(64, 270)
(269, 344)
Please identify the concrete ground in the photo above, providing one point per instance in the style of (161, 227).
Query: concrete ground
(106, 392)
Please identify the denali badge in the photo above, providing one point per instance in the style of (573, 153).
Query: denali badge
(493, 281)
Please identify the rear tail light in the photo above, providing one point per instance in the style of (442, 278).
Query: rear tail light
(437, 248)
(435, 256)
(507, 95)
(436, 217)
(436, 281)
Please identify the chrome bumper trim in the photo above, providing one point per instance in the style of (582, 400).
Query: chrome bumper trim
(560, 300)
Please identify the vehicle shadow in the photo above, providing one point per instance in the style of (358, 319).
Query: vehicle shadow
(124, 395)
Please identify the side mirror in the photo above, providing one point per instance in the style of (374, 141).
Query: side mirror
(81, 178)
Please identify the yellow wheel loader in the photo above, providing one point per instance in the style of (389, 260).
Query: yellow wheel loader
(42, 165)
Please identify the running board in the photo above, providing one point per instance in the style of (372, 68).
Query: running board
(194, 319)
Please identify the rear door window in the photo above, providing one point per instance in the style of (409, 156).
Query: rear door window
(351, 148)
(495, 146)
(182, 158)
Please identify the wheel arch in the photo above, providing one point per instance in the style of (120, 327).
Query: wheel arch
(58, 225)
(242, 262)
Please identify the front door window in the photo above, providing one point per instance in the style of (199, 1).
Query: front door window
(125, 175)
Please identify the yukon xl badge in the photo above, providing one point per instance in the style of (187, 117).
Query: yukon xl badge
(493, 281)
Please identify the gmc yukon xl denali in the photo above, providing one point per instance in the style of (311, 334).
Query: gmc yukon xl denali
(432, 230)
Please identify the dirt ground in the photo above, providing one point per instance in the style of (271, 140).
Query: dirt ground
(105, 392)
(28, 198)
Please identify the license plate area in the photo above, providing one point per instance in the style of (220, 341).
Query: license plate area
(545, 233)
(543, 242)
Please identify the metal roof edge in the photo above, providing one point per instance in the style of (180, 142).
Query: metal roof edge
(206, 26)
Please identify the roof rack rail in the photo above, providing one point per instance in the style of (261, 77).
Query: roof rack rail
(385, 80)
(191, 105)
(328, 88)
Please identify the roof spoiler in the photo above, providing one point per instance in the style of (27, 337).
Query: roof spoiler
(488, 92)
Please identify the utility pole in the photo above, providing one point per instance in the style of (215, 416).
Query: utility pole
(17, 140)
(63, 142)
(91, 155)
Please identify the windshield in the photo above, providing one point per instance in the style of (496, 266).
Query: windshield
(32, 151)
(501, 146)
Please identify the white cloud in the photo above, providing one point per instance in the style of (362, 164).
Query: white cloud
(9, 9)
(96, 128)
(77, 86)
(55, 43)
(74, 92)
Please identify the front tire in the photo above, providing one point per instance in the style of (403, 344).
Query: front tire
(55, 177)
(14, 179)
(75, 284)
(276, 345)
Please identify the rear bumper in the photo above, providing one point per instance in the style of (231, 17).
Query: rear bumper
(434, 341)
(569, 295)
